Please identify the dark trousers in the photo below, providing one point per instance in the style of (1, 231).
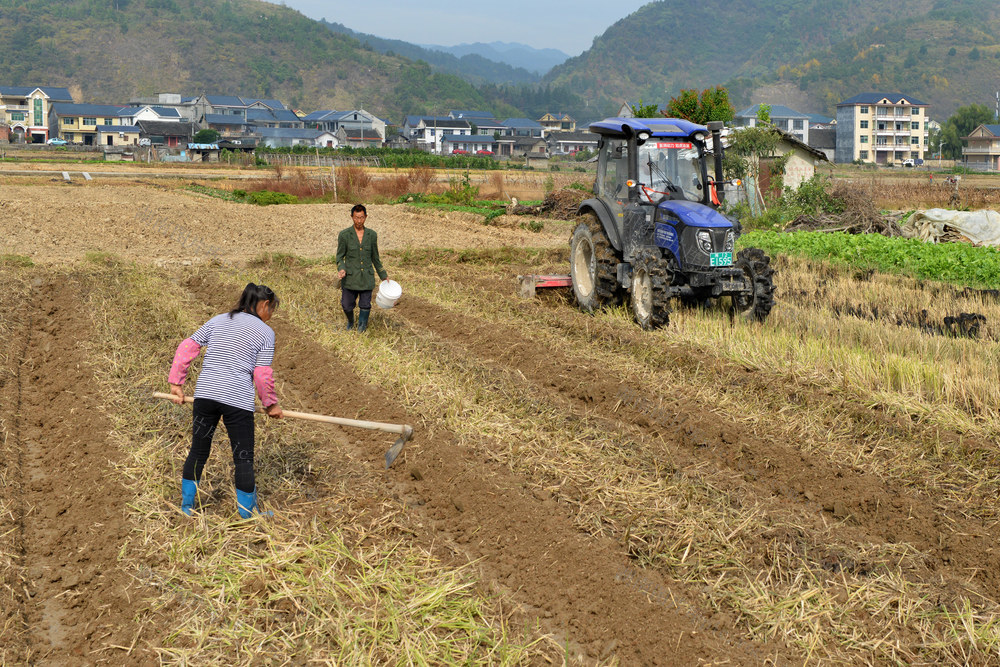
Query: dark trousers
(350, 296)
(239, 425)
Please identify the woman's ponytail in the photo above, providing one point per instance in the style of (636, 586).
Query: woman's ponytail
(253, 295)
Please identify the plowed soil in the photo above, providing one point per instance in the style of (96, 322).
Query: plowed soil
(545, 533)
(70, 601)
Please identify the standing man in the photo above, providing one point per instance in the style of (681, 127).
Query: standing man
(357, 254)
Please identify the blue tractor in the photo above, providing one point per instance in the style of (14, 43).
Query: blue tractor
(654, 232)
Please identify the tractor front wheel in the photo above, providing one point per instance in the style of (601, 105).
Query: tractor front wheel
(593, 266)
(651, 279)
(756, 267)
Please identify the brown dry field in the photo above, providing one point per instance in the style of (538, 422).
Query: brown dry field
(577, 491)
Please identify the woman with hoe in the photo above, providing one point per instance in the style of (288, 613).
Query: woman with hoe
(240, 349)
(357, 254)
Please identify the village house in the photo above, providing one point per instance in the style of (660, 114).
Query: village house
(785, 119)
(468, 143)
(131, 115)
(25, 110)
(428, 133)
(283, 137)
(77, 123)
(357, 119)
(491, 127)
(170, 134)
(884, 128)
(569, 143)
(274, 118)
(557, 122)
(524, 127)
(117, 135)
(186, 107)
(358, 138)
(983, 148)
(227, 125)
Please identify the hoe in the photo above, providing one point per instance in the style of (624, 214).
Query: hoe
(405, 432)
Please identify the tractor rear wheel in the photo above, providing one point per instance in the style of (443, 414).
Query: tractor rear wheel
(756, 267)
(651, 278)
(593, 266)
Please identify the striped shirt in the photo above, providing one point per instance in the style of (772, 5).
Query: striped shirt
(234, 347)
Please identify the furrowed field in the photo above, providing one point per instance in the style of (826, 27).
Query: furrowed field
(821, 488)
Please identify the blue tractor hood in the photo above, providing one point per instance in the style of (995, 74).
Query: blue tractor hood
(695, 214)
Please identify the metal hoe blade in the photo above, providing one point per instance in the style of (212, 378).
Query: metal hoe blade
(397, 447)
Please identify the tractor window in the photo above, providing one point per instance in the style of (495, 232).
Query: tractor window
(670, 168)
(614, 169)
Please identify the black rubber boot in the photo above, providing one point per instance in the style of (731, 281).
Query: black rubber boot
(350, 319)
(363, 314)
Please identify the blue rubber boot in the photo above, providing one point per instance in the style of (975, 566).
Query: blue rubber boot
(246, 504)
(363, 314)
(189, 489)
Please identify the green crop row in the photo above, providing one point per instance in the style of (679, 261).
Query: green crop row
(957, 263)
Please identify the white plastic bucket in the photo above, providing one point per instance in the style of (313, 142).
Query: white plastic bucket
(389, 292)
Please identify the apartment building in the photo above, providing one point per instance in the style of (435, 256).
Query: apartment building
(883, 128)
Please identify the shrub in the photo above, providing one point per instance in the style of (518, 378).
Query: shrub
(269, 197)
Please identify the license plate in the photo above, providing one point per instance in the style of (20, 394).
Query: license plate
(721, 258)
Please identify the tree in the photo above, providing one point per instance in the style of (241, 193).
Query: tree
(961, 124)
(748, 146)
(206, 136)
(640, 110)
(712, 104)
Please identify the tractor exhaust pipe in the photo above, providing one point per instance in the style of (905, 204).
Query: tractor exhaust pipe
(715, 127)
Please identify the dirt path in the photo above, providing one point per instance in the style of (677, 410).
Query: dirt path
(74, 604)
(465, 505)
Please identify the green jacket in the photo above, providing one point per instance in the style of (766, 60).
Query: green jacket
(358, 258)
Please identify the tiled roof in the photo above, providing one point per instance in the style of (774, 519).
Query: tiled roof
(993, 129)
(60, 94)
(874, 98)
(165, 128)
(117, 128)
(522, 122)
(225, 101)
(162, 112)
(224, 119)
(447, 123)
(70, 109)
(325, 114)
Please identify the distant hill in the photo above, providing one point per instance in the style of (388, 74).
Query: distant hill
(116, 49)
(809, 54)
(469, 64)
(523, 56)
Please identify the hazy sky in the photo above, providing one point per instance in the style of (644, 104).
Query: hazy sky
(569, 27)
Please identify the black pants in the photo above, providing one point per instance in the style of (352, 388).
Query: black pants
(350, 296)
(239, 425)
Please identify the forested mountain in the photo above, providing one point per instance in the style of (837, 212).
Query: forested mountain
(526, 57)
(469, 65)
(809, 54)
(113, 50)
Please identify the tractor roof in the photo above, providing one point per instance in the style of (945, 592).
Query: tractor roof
(657, 127)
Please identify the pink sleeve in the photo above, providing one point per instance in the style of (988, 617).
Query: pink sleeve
(186, 353)
(263, 379)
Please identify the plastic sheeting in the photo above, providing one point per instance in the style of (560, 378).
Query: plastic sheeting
(935, 225)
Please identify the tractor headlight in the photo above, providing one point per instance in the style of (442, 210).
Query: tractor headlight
(705, 241)
(730, 241)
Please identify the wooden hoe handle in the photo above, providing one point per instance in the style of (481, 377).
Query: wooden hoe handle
(402, 429)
